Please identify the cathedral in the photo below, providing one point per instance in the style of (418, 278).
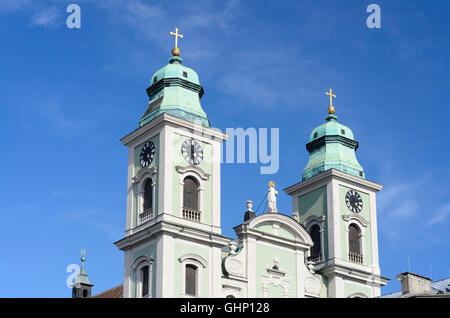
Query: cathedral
(173, 246)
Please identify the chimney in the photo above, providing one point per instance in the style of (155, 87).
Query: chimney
(413, 284)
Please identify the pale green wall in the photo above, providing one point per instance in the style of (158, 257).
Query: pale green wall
(137, 168)
(182, 248)
(282, 231)
(276, 291)
(287, 263)
(314, 203)
(148, 250)
(365, 213)
(351, 288)
(324, 283)
(205, 165)
(267, 228)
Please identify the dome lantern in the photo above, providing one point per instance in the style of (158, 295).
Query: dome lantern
(175, 89)
(332, 146)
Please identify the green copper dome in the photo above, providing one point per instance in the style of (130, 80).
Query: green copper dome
(176, 70)
(330, 128)
(332, 146)
(175, 89)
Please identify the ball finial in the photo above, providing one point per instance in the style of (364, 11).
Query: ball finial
(176, 51)
(331, 110)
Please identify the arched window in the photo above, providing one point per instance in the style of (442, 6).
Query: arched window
(190, 193)
(354, 244)
(316, 248)
(148, 195)
(353, 239)
(85, 293)
(191, 280)
(144, 281)
(141, 279)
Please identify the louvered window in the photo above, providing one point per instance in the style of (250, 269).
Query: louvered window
(148, 195)
(191, 280)
(353, 239)
(144, 277)
(190, 193)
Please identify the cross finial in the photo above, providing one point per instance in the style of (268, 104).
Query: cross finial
(176, 50)
(83, 254)
(331, 108)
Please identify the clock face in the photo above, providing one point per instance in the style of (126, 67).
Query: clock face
(353, 201)
(147, 153)
(192, 152)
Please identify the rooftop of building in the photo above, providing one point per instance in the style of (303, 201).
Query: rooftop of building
(115, 292)
(439, 287)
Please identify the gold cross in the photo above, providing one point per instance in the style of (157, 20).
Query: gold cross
(176, 36)
(331, 108)
(331, 97)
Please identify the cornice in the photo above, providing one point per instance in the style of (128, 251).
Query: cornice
(174, 81)
(173, 229)
(319, 142)
(165, 118)
(330, 174)
(359, 218)
(142, 172)
(353, 273)
(202, 174)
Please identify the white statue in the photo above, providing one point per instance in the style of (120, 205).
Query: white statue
(272, 197)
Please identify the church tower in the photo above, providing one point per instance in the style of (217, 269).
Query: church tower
(337, 206)
(173, 238)
(82, 287)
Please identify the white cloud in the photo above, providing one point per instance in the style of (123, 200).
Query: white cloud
(50, 17)
(442, 214)
(153, 22)
(273, 75)
(207, 15)
(398, 201)
(398, 207)
(148, 20)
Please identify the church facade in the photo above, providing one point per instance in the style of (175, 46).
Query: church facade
(173, 244)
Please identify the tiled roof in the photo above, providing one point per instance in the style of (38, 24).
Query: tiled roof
(115, 292)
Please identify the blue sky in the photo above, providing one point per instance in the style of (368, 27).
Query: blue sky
(69, 95)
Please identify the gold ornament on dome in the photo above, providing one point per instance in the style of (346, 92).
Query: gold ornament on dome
(176, 49)
(331, 108)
